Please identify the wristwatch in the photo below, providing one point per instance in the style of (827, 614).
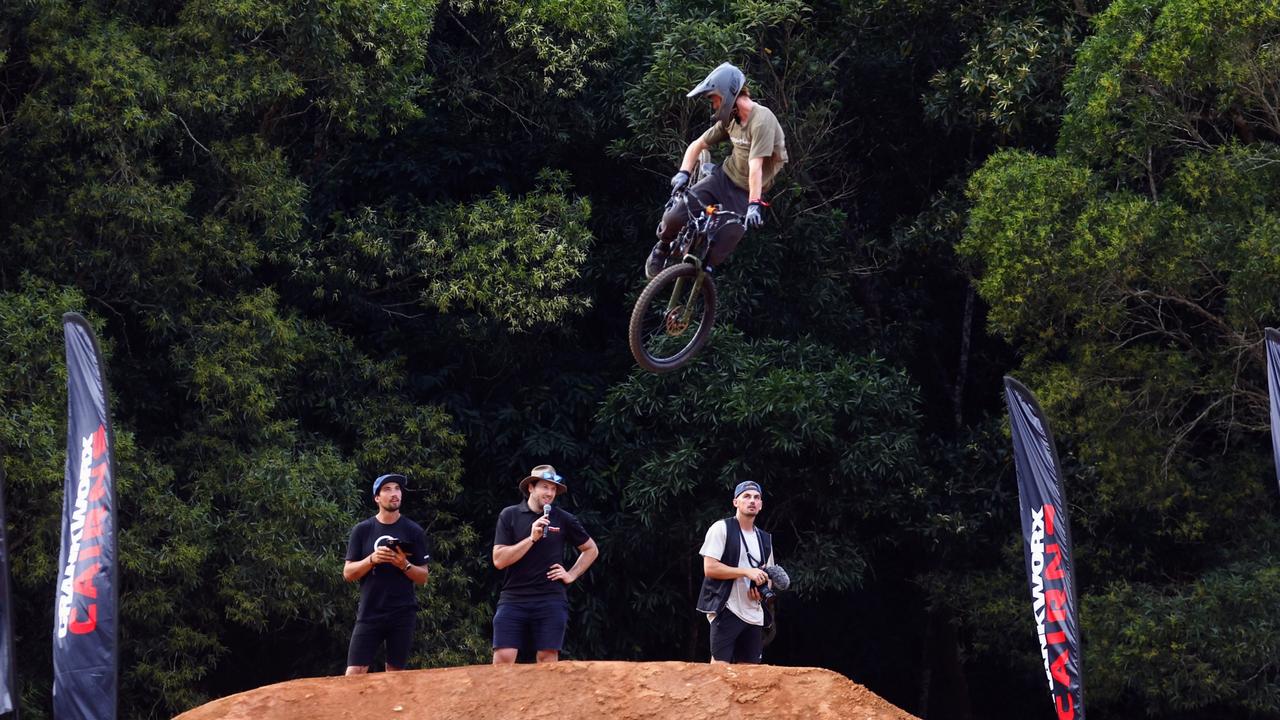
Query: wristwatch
(406, 567)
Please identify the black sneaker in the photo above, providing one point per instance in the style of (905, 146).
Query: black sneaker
(657, 260)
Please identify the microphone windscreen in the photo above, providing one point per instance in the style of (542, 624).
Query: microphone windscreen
(781, 581)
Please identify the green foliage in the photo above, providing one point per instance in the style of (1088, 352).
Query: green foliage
(158, 174)
(683, 43)
(1028, 239)
(324, 241)
(1009, 79)
(1163, 299)
(1136, 271)
(1161, 78)
(566, 36)
(832, 439)
(515, 90)
(512, 259)
(1175, 651)
(359, 63)
(32, 426)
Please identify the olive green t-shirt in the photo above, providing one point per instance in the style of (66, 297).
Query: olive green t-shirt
(761, 136)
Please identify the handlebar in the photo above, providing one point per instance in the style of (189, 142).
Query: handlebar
(702, 206)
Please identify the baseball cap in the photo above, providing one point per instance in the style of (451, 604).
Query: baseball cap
(390, 477)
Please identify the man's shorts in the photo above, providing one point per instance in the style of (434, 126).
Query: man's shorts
(715, 188)
(735, 641)
(395, 630)
(540, 622)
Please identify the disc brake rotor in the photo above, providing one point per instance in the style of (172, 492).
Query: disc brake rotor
(675, 322)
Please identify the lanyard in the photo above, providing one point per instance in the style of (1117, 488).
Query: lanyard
(753, 562)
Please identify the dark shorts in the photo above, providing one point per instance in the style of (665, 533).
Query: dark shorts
(540, 622)
(735, 641)
(396, 631)
(715, 188)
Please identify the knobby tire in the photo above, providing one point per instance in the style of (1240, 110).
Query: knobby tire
(646, 320)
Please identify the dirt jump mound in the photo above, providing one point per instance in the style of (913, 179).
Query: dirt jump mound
(573, 690)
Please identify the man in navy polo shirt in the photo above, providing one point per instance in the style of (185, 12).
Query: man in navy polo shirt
(387, 553)
(733, 552)
(529, 544)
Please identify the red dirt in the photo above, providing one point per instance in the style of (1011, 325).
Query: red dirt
(564, 691)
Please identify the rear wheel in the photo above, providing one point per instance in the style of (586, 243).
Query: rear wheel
(672, 319)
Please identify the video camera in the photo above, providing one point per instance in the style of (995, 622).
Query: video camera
(392, 543)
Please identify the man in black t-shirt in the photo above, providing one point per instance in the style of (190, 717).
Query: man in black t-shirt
(529, 544)
(387, 553)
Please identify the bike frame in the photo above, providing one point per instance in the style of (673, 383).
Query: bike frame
(697, 228)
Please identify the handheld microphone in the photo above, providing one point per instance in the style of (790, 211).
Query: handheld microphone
(546, 513)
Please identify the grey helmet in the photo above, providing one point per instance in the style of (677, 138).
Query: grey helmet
(725, 81)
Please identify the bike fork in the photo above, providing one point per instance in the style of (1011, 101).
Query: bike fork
(678, 291)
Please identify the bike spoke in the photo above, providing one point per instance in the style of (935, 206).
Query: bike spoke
(672, 320)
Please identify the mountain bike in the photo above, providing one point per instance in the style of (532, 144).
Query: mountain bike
(673, 316)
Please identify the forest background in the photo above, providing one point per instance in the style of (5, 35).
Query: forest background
(326, 239)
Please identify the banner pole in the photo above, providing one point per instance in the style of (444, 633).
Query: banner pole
(86, 621)
(9, 699)
(1047, 550)
(1272, 342)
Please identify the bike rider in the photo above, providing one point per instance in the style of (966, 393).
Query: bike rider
(740, 182)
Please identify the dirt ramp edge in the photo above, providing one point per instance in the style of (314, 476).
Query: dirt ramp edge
(582, 689)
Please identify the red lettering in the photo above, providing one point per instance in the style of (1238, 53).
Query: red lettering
(99, 475)
(1053, 570)
(1068, 712)
(99, 442)
(93, 523)
(1056, 602)
(99, 488)
(84, 582)
(1053, 638)
(1059, 670)
(84, 627)
(1049, 512)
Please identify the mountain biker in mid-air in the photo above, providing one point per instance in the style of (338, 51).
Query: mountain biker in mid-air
(740, 182)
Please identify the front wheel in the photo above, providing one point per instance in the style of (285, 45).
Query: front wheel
(672, 318)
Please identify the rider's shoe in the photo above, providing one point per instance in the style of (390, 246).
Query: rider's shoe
(657, 260)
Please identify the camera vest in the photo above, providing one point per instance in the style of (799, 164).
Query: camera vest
(715, 593)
